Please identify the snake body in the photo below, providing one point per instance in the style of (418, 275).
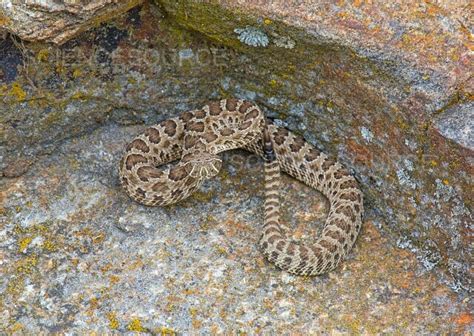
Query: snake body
(195, 138)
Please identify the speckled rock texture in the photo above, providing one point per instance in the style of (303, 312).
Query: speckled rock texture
(369, 82)
(457, 124)
(77, 255)
(57, 21)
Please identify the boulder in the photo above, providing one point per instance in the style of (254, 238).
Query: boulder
(384, 88)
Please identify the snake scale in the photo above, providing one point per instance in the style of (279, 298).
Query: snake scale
(194, 140)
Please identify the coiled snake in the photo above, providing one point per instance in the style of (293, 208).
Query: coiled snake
(195, 138)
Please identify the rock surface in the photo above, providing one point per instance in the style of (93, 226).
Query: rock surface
(77, 253)
(78, 256)
(433, 36)
(368, 82)
(457, 124)
(57, 21)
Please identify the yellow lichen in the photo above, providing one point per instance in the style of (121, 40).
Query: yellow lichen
(113, 321)
(49, 246)
(23, 243)
(98, 238)
(107, 267)
(221, 250)
(17, 92)
(354, 325)
(202, 196)
(78, 95)
(43, 55)
(53, 118)
(94, 303)
(26, 265)
(135, 325)
(267, 21)
(76, 73)
(17, 327)
(60, 68)
(164, 331)
(15, 286)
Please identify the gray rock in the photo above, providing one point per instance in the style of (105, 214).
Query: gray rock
(78, 256)
(457, 124)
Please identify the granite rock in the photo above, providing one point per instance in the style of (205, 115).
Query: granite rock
(457, 124)
(365, 82)
(78, 255)
(57, 21)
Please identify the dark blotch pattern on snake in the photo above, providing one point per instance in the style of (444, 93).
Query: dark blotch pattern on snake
(195, 138)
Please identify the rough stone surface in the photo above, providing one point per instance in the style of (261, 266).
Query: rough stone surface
(457, 124)
(57, 21)
(372, 101)
(78, 256)
(64, 116)
(434, 36)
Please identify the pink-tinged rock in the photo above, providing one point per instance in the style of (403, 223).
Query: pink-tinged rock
(57, 21)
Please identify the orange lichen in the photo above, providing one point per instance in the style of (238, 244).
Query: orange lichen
(114, 279)
(465, 319)
(107, 267)
(363, 154)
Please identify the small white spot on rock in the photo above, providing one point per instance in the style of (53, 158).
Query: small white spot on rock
(37, 241)
(405, 179)
(280, 123)
(287, 278)
(186, 53)
(252, 36)
(283, 41)
(408, 164)
(219, 271)
(366, 134)
(410, 144)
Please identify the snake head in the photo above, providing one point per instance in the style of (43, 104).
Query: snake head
(202, 165)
